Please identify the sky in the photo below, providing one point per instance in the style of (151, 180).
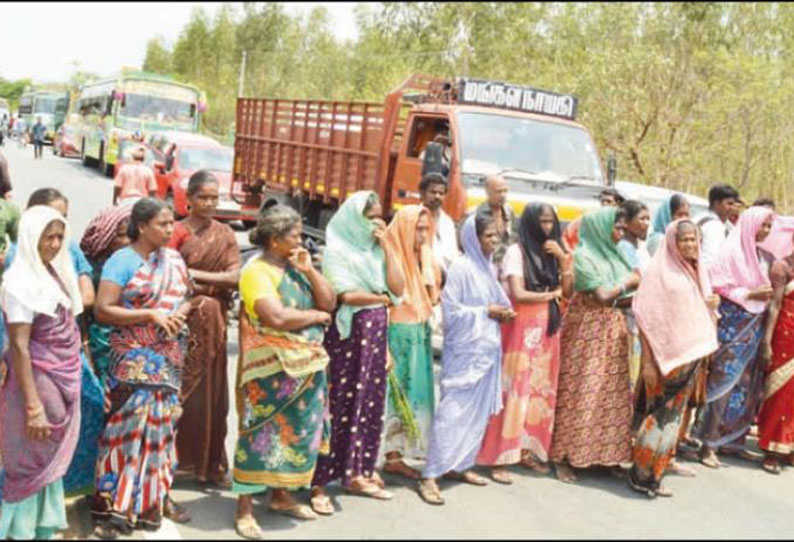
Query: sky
(41, 40)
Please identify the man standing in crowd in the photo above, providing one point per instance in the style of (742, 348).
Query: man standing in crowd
(39, 131)
(496, 206)
(715, 224)
(609, 197)
(433, 190)
(134, 181)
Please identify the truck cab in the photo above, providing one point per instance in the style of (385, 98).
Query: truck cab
(543, 156)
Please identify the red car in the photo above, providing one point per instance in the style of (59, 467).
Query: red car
(178, 156)
(66, 140)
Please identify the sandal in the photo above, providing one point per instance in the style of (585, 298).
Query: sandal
(662, 491)
(564, 473)
(369, 489)
(501, 476)
(321, 504)
(636, 486)
(709, 459)
(429, 494)
(771, 465)
(467, 477)
(681, 470)
(377, 480)
(247, 527)
(296, 510)
(222, 482)
(174, 511)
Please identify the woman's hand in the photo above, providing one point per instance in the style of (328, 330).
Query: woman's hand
(500, 313)
(300, 260)
(713, 301)
(322, 318)
(381, 234)
(38, 427)
(553, 247)
(764, 293)
(168, 324)
(634, 280)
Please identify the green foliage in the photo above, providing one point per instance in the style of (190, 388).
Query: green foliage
(12, 90)
(685, 94)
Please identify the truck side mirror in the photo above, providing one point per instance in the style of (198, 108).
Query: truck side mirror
(612, 169)
(432, 162)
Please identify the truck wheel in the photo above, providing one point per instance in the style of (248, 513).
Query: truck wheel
(86, 161)
(248, 224)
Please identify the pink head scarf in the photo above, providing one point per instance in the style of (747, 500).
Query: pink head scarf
(737, 269)
(680, 332)
(780, 242)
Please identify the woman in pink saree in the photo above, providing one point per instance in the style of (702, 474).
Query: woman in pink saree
(40, 401)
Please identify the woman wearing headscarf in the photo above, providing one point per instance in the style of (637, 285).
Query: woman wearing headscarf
(675, 208)
(411, 394)
(40, 401)
(776, 419)
(210, 251)
(594, 406)
(143, 295)
(677, 340)
(360, 262)
(474, 304)
(79, 478)
(281, 384)
(735, 389)
(539, 273)
(103, 236)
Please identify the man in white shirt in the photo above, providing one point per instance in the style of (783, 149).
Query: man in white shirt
(433, 190)
(715, 224)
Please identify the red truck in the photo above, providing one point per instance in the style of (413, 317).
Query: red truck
(312, 154)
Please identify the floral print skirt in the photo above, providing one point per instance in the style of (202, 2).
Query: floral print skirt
(283, 427)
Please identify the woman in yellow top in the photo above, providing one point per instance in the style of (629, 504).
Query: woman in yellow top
(281, 384)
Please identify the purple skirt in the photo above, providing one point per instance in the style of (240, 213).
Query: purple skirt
(357, 393)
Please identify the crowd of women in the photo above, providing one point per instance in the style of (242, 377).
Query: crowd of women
(622, 350)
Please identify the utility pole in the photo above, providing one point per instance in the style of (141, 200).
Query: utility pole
(241, 82)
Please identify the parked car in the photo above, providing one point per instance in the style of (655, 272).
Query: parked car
(654, 196)
(66, 141)
(178, 155)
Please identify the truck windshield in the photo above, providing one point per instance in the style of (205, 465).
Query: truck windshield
(219, 159)
(45, 105)
(491, 143)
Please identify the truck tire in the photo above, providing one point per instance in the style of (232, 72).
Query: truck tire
(83, 158)
(104, 168)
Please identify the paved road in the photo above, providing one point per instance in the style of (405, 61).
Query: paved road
(740, 501)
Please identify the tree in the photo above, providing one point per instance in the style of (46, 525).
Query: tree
(158, 57)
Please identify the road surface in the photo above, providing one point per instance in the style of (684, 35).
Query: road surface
(740, 501)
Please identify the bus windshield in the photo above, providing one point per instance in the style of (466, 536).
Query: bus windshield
(157, 110)
(44, 105)
(216, 159)
(492, 143)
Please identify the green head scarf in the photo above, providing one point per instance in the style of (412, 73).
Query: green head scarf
(352, 259)
(597, 260)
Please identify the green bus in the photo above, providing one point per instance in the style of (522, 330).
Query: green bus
(116, 108)
(49, 105)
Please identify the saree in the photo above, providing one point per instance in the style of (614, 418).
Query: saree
(137, 456)
(471, 360)
(204, 394)
(594, 404)
(676, 342)
(281, 388)
(410, 339)
(531, 351)
(735, 386)
(776, 419)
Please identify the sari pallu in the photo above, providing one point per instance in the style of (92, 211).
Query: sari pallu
(136, 451)
(204, 393)
(776, 419)
(281, 391)
(735, 386)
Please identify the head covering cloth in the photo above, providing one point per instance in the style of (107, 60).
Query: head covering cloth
(780, 241)
(101, 231)
(598, 261)
(670, 306)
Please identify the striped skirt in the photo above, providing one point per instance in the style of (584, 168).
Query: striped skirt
(137, 456)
